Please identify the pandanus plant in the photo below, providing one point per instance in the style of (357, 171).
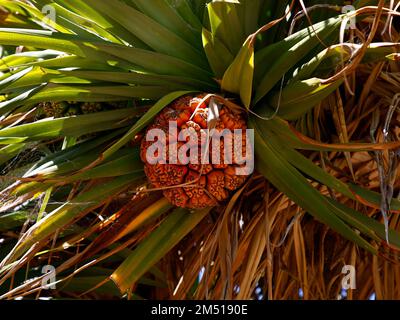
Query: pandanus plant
(89, 77)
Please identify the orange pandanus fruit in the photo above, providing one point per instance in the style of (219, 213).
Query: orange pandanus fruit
(211, 179)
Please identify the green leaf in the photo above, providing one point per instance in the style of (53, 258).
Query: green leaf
(225, 22)
(78, 93)
(373, 197)
(82, 25)
(287, 179)
(61, 170)
(144, 121)
(239, 76)
(149, 31)
(17, 99)
(296, 140)
(143, 79)
(284, 55)
(186, 12)
(167, 15)
(70, 126)
(167, 65)
(24, 58)
(95, 21)
(252, 10)
(35, 14)
(327, 60)
(301, 96)
(10, 151)
(218, 55)
(306, 166)
(75, 62)
(80, 149)
(13, 220)
(57, 41)
(126, 161)
(365, 224)
(66, 213)
(172, 230)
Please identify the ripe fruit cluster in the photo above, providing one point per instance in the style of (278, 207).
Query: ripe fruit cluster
(195, 185)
